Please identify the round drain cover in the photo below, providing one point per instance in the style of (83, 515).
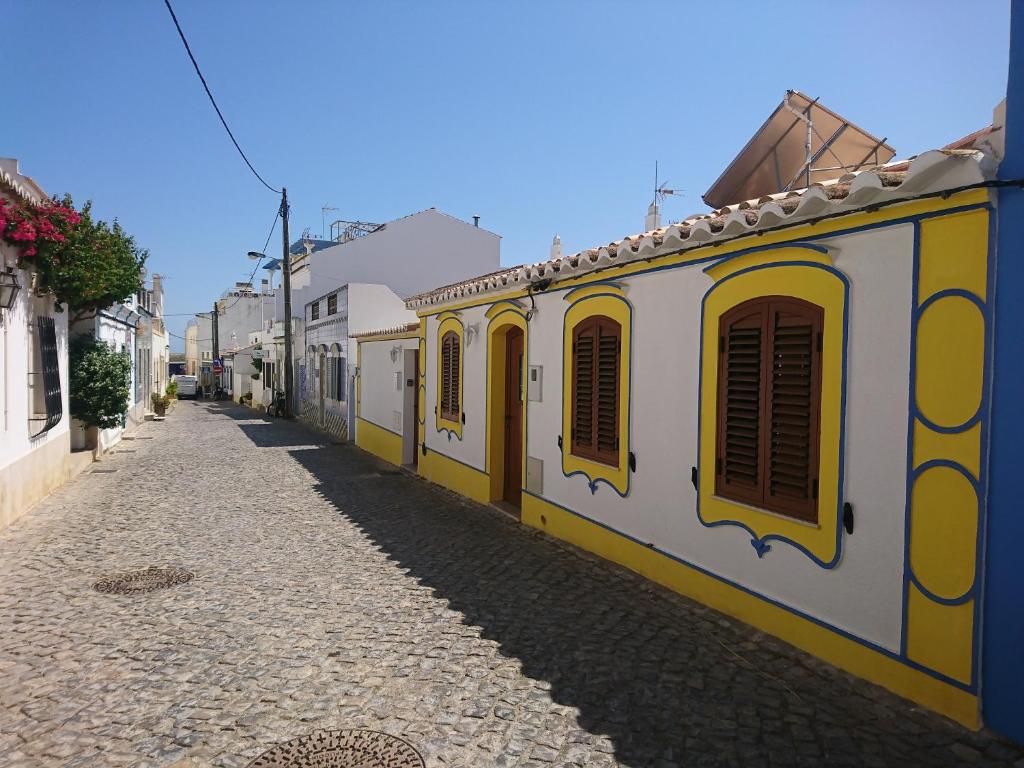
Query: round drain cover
(144, 580)
(341, 749)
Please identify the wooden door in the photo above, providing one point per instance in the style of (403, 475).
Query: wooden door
(416, 408)
(514, 383)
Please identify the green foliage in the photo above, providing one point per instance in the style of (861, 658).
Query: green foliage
(100, 382)
(257, 362)
(94, 266)
(172, 390)
(159, 401)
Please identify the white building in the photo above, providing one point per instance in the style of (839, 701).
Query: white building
(151, 344)
(408, 255)
(329, 322)
(34, 421)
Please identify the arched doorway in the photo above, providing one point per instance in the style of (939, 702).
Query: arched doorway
(506, 405)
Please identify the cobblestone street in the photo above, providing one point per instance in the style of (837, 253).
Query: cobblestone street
(334, 591)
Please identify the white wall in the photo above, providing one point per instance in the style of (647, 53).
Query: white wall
(470, 449)
(863, 593)
(16, 362)
(410, 255)
(382, 398)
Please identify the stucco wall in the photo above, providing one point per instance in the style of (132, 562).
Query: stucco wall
(30, 467)
(381, 395)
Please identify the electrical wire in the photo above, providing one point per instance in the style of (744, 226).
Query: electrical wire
(213, 101)
(259, 261)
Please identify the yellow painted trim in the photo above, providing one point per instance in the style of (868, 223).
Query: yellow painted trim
(697, 253)
(379, 441)
(945, 510)
(451, 322)
(825, 290)
(449, 314)
(455, 476)
(502, 306)
(775, 256)
(593, 290)
(618, 309)
(792, 628)
(494, 459)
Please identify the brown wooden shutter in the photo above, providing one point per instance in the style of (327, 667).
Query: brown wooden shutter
(740, 402)
(446, 367)
(450, 376)
(595, 389)
(794, 406)
(453, 383)
(583, 388)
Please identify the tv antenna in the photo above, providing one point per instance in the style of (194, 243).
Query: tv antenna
(662, 190)
(324, 209)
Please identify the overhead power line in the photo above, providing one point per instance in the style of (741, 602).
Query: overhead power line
(213, 101)
(259, 261)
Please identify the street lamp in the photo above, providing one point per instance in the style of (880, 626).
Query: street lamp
(286, 268)
(9, 288)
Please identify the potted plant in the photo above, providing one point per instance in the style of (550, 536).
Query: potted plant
(160, 403)
(100, 384)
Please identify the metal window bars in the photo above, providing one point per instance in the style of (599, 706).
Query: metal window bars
(51, 375)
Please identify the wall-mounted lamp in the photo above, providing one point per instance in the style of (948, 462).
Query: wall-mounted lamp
(9, 288)
(471, 332)
(395, 352)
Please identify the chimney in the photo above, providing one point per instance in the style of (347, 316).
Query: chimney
(653, 220)
(476, 221)
(556, 248)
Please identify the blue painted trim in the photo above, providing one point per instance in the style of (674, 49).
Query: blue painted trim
(592, 482)
(611, 283)
(976, 487)
(747, 590)
(761, 544)
(909, 484)
(761, 248)
(704, 259)
(980, 304)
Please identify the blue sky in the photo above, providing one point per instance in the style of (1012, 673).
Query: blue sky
(541, 117)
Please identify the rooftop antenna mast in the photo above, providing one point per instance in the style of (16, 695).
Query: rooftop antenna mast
(661, 191)
(323, 219)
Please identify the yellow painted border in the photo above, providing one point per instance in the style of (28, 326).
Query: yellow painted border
(379, 441)
(508, 315)
(610, 302)
(826, 290)
(451, 322)
(455, 476)
(388, 336)
(794, 629)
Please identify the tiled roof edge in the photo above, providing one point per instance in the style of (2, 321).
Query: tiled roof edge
(930, 172)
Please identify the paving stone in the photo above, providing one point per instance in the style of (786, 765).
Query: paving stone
(327, 594)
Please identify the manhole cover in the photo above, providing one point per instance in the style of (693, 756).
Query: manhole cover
(341, 749)
(144, 580)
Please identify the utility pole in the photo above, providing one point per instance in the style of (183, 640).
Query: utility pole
(286, 265)
(214, 378)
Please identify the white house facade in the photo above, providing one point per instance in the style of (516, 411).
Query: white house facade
(34, 421)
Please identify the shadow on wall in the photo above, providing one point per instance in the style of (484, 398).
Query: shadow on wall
(666, 680)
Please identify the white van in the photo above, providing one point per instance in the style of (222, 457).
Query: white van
(187, 385)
